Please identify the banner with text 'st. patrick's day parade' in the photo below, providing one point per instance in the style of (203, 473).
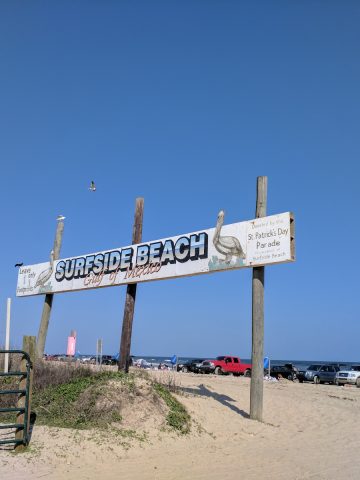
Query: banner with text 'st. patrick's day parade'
(252, 243)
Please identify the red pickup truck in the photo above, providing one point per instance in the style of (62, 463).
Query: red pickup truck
(226, 364)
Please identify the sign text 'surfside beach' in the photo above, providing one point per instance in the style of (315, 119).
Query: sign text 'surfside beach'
(251, 243)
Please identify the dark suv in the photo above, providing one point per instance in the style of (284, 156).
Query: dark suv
(284, 371)
(104, 360)
(319, 374)
(191, 365)
(108, 360)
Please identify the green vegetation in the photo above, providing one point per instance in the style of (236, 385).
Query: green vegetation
(78, 403)
(177, 418)
(81, 398)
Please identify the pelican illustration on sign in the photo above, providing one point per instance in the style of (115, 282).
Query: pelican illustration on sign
(45, 275)
(228, 246)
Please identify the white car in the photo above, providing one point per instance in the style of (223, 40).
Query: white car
(352, 376)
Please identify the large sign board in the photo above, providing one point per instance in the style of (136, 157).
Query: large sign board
(262, 241)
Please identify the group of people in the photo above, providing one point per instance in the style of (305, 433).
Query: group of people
(163, 366)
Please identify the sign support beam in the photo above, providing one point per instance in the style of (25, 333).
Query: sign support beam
(45, 317)
(257, 353)
(7, 335)
(125, 344)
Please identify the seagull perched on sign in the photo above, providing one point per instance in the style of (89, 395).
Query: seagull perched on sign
(59, 218)
(19, 264)
(92, 187)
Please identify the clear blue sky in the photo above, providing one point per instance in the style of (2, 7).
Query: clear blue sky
(184, 103)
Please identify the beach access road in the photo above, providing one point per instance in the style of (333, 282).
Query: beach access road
(309, 432)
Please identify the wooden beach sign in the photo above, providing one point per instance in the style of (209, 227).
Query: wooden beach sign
(258, 242)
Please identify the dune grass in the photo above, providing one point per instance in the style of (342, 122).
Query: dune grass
(75, 403)
(177, 418)
(79, 397)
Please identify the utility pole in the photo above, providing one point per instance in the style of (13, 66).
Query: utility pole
(257, 353)
(45, 317)
(125, 344)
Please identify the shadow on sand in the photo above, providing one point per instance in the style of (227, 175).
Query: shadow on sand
(202, 391)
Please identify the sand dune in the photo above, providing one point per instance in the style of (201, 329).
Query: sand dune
(309, 432)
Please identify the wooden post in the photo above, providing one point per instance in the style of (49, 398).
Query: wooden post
(29, 346)
(45, 317)
(125, 344)
(7, 335)
(257, 353)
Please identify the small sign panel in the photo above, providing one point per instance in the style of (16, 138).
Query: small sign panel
(262, 241)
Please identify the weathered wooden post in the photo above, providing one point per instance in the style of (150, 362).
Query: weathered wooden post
(257, 353)
(7, 335)
(45, 317)
(125, 344)
(29, 346)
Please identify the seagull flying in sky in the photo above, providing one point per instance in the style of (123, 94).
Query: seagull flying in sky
(92, 187)
(60, 217)
(19, 264)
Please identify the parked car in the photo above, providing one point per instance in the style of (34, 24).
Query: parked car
(85, 358)
(349, 375)
(206, 367)
(319, 374)
(190, 366)
(66, 358)
(104, 359)
(108, 360)
(283, 371)
(51, 357)
(226, 364)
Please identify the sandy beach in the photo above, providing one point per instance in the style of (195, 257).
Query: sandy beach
(309, 432)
